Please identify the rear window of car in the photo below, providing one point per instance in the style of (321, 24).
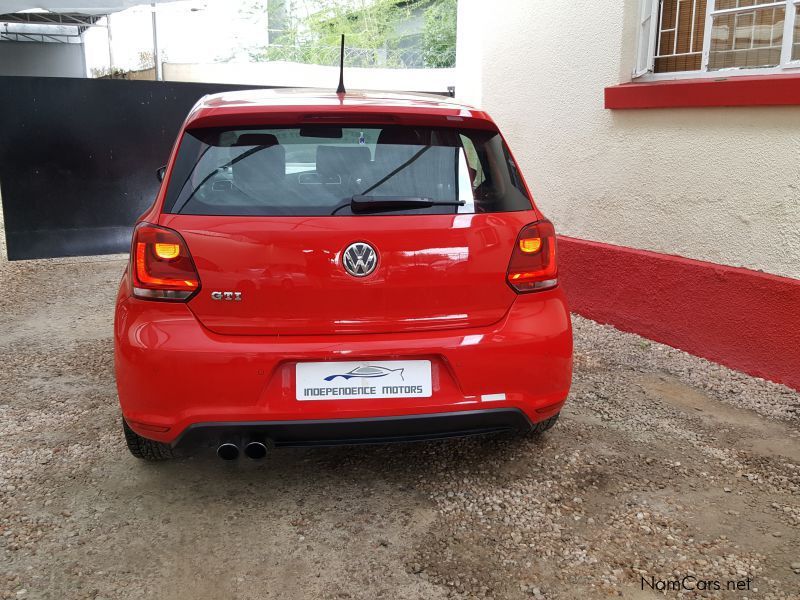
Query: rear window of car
(316, 170)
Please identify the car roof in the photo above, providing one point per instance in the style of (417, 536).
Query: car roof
(284, 104)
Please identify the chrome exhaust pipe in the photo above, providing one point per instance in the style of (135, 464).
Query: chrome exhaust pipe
(228, 451)
(255, 450)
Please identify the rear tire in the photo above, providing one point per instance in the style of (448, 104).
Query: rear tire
(539, 428)
(145, 449)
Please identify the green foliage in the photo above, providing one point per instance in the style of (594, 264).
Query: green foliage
(439, 34)
(369, 27)
(365, 23)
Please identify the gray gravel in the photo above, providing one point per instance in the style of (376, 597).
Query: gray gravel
(663, 465)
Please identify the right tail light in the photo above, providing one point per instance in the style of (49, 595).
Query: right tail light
(533, 264)
(161, 266)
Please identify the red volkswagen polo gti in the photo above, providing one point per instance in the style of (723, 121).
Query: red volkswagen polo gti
(324, 268)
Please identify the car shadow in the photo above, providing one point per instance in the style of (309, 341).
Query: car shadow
(404, 464)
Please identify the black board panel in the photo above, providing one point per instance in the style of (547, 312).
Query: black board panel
(78, 158)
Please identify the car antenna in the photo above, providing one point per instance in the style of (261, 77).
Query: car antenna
(340, 89)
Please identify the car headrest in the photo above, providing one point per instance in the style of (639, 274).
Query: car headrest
(256, 139)
(396, 144)
(262, 168)
(341, 160)
(401, 135)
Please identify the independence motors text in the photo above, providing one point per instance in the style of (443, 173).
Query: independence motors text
(362, 391)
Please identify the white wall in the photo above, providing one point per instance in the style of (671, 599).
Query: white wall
(469, 52)
(42, 59)
(303, 75)
(715, 184)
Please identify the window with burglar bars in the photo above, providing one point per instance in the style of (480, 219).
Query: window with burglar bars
(711, 35)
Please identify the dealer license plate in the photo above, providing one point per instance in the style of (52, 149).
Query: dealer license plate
(361, 380)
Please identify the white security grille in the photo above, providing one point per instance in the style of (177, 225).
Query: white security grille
(712, 35)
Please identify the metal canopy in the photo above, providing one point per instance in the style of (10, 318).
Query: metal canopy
(62, 28)
(61, 21)
(84, 7)
(48, 18)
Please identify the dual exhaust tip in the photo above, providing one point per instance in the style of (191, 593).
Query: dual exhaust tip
(255, 450)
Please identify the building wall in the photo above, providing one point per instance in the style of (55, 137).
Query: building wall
(469, 52)
(42, 59)
(630, 189)
(714, 184)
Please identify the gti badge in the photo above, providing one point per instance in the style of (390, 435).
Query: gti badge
(360, 259)
(230, 296)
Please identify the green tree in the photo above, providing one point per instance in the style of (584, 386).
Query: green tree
(365, 23)
(439, 34)
(368, 26)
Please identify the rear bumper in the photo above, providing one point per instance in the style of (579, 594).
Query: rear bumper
(376, 430)
(175, 377)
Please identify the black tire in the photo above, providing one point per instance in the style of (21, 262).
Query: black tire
(539, 428)
(145, 449)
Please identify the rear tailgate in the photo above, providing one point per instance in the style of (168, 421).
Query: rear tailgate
(433, 272)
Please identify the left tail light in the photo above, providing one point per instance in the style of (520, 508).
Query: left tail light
(161, 266)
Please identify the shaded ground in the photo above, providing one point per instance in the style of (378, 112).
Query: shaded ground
(662, 465)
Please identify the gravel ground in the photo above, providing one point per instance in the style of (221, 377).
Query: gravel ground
(663, 465)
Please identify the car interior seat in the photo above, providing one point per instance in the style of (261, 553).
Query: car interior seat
(261, 169)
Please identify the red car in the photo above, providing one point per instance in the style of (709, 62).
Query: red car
(323, 268)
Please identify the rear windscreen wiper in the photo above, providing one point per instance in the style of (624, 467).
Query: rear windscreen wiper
(370, 204)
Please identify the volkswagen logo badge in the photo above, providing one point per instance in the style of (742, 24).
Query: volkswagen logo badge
(360, 259)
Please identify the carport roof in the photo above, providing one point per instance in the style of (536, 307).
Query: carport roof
(84, 7)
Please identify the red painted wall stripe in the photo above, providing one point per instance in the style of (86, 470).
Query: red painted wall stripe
(746, 320)
(751, 90)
